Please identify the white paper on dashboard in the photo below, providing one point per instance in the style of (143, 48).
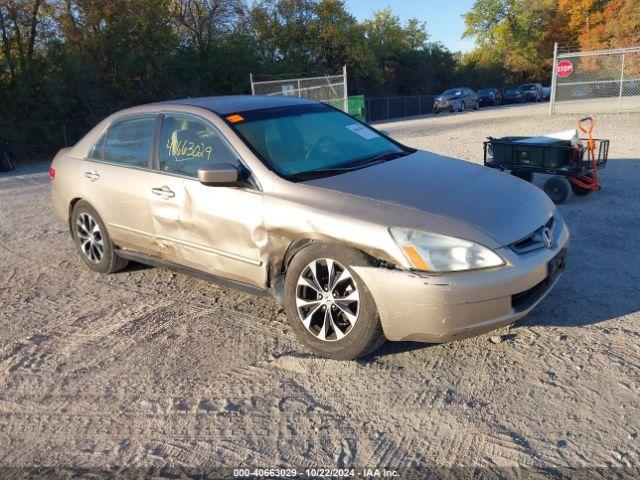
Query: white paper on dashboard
(363, 131)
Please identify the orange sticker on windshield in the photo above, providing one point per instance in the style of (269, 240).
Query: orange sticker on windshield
(235, 118)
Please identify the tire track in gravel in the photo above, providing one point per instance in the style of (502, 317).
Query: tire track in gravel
(226, 383)
(247, 321)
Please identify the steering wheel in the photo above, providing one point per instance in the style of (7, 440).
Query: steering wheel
(319, 146)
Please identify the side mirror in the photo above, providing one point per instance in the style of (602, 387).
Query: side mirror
(219, 175)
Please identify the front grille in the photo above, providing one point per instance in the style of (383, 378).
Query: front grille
(535, 241)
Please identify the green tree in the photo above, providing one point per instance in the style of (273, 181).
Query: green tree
(512, 31)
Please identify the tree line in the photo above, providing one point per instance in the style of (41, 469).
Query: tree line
(71, 62)
(515, 38)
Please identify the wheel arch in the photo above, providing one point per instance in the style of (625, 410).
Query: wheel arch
(278, 269)
(72, 205)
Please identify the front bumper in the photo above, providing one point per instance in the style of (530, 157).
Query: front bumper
(440, 308)
(447, 105)
(442, 108)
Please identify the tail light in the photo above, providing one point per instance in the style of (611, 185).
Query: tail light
(52, 172)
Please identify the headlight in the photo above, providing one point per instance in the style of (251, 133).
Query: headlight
(440, 253)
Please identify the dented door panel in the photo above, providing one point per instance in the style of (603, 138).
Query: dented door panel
(218, 230)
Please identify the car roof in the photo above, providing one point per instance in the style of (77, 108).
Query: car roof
(224, 105)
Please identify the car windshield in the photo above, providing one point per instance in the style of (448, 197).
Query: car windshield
(485, 91)
(311, 140)
(513, 91)
(452, 92)
(528, 87)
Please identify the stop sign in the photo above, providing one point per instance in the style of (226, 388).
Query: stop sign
(564, 68)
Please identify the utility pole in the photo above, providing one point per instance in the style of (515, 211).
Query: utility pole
(552, 95)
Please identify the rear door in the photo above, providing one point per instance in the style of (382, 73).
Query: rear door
(118, 171)
(218, 230)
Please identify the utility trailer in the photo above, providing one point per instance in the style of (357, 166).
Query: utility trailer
(573, 164)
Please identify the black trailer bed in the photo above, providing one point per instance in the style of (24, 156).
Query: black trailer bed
(543, 155)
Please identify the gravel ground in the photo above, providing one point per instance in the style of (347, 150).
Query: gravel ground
(147, 368)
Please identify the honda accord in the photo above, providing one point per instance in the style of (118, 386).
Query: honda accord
(362, 239)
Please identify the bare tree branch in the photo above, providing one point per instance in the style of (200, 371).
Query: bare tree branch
(34, 28)
(15, 18)
(7, 48)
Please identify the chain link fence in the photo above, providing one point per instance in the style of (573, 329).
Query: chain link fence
(596, 81)
(330, 89)
(387, 108)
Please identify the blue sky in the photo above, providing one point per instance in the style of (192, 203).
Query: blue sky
(443, 17)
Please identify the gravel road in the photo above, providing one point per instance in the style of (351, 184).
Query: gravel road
(148, 368)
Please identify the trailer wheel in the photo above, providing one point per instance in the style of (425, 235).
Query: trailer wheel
(581, 191)
(523, 174)
(558, 188)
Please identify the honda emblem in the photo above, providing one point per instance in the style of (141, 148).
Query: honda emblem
(546, 237)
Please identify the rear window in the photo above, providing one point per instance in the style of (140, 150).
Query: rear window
(128, 142)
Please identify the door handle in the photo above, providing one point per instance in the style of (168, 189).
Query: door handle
(164, 191)
(92, 175)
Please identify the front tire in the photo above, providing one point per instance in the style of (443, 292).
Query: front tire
(328, 305)
(92, 240)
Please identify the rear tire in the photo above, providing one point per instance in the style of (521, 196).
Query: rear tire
(341, 329)
(92, 240)
(476, 106)
(558, 189)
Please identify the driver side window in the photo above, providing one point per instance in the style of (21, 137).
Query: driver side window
(187, 144)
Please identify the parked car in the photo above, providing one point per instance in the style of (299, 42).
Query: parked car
(532, 92)
(7, 160)
(546, 93)
(362, 238)
(456, 100)
(489, 96)
(513, 95)
(579, 91)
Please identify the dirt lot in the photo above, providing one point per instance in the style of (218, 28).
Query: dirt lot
(151, 368)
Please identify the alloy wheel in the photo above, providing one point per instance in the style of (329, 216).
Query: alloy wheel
(327, 299)
(91, 242)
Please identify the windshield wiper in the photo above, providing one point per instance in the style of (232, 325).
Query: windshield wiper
(380, 158)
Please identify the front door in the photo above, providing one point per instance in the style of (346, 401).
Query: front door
(218, 230)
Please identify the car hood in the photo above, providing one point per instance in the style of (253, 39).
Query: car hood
(501, 206)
